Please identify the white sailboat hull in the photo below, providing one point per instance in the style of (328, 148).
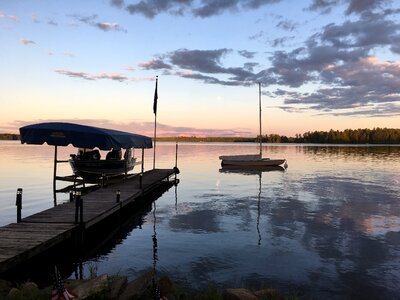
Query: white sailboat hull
(249, 160)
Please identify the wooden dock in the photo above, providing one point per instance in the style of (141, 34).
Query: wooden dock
(19, 242)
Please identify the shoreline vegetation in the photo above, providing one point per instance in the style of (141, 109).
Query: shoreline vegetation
(147, 286)
(347, 136)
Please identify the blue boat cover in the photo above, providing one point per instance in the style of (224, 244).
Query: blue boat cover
(81, 136)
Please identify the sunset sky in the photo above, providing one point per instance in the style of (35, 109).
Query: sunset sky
(323, 64)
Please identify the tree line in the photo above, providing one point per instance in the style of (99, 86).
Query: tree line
(347, 136)
(9, 137)
(351, 136)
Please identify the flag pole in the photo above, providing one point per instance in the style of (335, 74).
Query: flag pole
(259, 105)
(155, 122)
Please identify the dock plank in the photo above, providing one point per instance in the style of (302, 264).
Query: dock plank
(22, 241)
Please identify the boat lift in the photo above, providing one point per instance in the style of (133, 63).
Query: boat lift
(81, 136)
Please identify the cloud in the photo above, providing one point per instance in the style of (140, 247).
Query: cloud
(360, 6)
(264, 37)
(246, 54)
(111, 76)
(379, 110)
(212, 8)
(250, 66)
(287, 25)
(369, 31)
(359, 85)
(353, 6)
(257, 36)
(25, 42)
(82, 75)
(3, 15)
(207, 61)
(281, 41)
(206, 66)
(129, 68)
(202, 9)
(325, 6)
(117, 3)
(203, 63)
(35, 19)
(167, 130)
(69, 54)
(104, 26)
(208, 79)
(154, 64)
(151, 8)
(52, 23)
(339, 61)
(336, 45)
(145, 128)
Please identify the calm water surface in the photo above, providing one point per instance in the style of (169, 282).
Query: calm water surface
(326, 228)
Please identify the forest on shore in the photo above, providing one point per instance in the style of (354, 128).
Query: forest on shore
(347, 136)
(9, 137)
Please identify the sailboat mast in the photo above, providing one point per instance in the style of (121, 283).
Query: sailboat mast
(259, 105)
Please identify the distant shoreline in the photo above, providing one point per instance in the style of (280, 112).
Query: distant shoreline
(9, 137)
(390, 136)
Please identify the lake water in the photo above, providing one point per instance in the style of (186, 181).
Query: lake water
(326, 228)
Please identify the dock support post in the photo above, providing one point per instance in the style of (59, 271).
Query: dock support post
(71, 196)
(80, 210)
(54, 176)
(118, 196)
(176, 160)
(103, 177)
(77, 205)
(176, 155)
(18, 203)
(141, 174)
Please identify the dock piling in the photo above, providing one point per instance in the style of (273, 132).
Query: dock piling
(77, 204)
(18, 203)
(176, 155)
(71, 196)
(118, 196)
(103, 180)
(80, 209)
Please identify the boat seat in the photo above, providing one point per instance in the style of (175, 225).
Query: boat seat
(113, 155)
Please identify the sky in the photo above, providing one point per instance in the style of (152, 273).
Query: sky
(322, 64)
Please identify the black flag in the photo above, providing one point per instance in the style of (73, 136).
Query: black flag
(155, 98)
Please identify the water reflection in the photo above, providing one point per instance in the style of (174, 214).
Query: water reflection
(197, 221)
(250, 170)
(328, 227)
(253, 170)
(358, 152)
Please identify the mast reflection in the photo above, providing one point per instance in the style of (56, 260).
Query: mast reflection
(253, 170)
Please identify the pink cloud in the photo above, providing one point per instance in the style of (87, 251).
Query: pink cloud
(111, 76)
(25, 42)
(3, 15)
(145, 128)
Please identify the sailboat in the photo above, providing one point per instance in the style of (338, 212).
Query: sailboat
(252, 159)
